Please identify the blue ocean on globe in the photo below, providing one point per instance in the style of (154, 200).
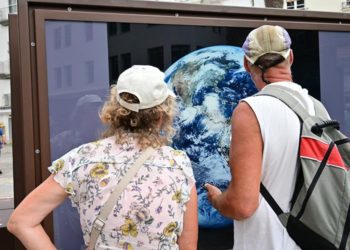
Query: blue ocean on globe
(209, 83)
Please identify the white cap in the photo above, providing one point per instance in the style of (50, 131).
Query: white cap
(146, 83)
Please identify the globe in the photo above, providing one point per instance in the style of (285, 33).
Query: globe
(208, 83)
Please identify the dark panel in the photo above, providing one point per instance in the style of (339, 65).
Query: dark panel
(7, 239)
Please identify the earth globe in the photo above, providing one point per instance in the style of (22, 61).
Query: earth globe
(208, 83)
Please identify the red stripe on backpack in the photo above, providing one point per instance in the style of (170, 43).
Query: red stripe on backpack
(316, 150)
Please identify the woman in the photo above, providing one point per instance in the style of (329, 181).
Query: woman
(157, 209)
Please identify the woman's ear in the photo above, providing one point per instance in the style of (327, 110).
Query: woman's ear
(246, 65)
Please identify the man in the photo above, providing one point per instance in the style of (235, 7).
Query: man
(264, 146)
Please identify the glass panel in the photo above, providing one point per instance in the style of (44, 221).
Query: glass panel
(178, 51)
(78, 81)
(6, 160)
(217, 82)
(335, 76)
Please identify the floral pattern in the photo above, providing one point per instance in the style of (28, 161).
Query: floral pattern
(149, 213)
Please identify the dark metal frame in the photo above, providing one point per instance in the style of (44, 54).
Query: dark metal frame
(29, 81)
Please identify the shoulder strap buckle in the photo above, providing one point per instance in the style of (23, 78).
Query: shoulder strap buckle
(99, 224)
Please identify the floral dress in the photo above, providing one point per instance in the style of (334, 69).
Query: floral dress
(149, 213)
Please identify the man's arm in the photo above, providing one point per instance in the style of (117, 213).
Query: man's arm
(241, 199)
(25, 221)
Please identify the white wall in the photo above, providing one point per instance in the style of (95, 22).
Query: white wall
(242, 3)
(312, 5)
(324, 5)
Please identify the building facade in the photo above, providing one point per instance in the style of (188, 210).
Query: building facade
(6, 7)
(311, 5)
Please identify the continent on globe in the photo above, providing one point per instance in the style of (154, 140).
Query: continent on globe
(208, 83)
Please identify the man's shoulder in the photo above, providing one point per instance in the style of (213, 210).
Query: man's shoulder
(259, 100)
(244, 117)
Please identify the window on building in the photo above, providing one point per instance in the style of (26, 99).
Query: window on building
(300, 4)
(345, 4)
(12, 6)
(90, 73)
(295, 4)
(156, 57)
(67, 72)
(89, 31)
(125, 27)
(113, 68)
(126, 61)
(58, 77)
(178, 51)
(67, 35)
(112, 29)
(7, 100)
(217, 30)
(57, 37)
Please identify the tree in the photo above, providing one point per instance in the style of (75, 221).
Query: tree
(274, 3)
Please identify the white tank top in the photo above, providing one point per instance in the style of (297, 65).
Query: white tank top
(280, 129)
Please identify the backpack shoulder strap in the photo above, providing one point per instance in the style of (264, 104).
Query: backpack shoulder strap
(286, 98)
(320, 110)
(268, 197)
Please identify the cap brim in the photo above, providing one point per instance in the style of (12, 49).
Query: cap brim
(171, 93)
(285, 55)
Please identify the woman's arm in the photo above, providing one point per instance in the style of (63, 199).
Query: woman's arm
(25, 221)
(189, 237)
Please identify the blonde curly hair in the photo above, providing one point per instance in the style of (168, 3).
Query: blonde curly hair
(150, 127)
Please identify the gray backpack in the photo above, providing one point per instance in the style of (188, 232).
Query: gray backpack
(320, 206)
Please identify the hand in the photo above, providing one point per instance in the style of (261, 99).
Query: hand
(213, 193)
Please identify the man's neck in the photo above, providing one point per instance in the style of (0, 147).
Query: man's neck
(278, 74)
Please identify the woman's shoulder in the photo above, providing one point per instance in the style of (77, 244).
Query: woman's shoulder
(94, 146)
(179, 156)
(91, 151)
(174, 152)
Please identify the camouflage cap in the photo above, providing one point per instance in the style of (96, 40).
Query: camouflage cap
(266, 39)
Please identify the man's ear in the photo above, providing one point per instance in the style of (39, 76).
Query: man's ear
(246, 64)
(291, 57)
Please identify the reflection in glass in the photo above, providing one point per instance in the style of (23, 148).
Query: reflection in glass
(89, 31)
(6, 160)
(97, 54)
(178, 51)
(67, 35)
(126, 61)
(78, 82)
(156, 57)
(90, 71)
(113, 68)
(335, 76)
